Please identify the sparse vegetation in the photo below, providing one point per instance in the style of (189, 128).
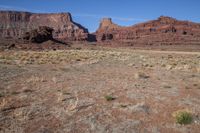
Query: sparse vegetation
(15, 93)
(187, 88)
(167, 86)
(1, 95)
(27, 91)
(101, 86)
(48, 57)
(195, 85)
(183, 117)
(109, 98)
(123, 105)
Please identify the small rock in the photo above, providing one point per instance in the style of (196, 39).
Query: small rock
(54, 79)
(131, 64)
(169, 67)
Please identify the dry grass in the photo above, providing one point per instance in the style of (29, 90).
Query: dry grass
(34, 79)
(48, 57)
(136, 57)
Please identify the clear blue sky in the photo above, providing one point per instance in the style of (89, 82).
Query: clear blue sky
(124, 12)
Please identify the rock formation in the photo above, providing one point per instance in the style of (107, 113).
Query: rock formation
(14, 24)
(106, 23)
(164, 29)
(39, 35)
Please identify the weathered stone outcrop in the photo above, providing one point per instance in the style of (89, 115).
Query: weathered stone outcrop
(39, 35)
(164, 29)
(14, 24)
(106, 23)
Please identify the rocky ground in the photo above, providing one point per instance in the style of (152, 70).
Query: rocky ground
(103, 90)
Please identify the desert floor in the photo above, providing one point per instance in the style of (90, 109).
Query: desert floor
(69, 90)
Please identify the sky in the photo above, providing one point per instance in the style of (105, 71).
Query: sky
(123, 12)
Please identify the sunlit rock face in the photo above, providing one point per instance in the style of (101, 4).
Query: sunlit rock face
(164, 29)
(14, 24)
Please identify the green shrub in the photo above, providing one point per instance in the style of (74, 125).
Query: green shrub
(1, 95)
(109, 98)
(183, 117)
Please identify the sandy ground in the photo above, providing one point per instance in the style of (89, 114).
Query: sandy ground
(64, 91)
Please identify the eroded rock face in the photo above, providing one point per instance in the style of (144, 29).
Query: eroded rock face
(164, 29)
(14, 24)
(106, 23)
(39, 35)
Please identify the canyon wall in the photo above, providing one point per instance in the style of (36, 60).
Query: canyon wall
(14, 24)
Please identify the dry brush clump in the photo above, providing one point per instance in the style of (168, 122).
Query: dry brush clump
(109, 98)
(183, 117)
(36, 79)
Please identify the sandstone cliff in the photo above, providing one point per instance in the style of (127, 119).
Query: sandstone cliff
(164, 29)
(42, 34)
(14, 24)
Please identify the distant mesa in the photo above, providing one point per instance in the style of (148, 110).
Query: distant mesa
(163, 30)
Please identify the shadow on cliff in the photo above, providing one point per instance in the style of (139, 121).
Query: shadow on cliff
(92, 38)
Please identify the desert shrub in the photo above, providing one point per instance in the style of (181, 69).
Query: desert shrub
(109, 98)
(183, 117)
(1, 94)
